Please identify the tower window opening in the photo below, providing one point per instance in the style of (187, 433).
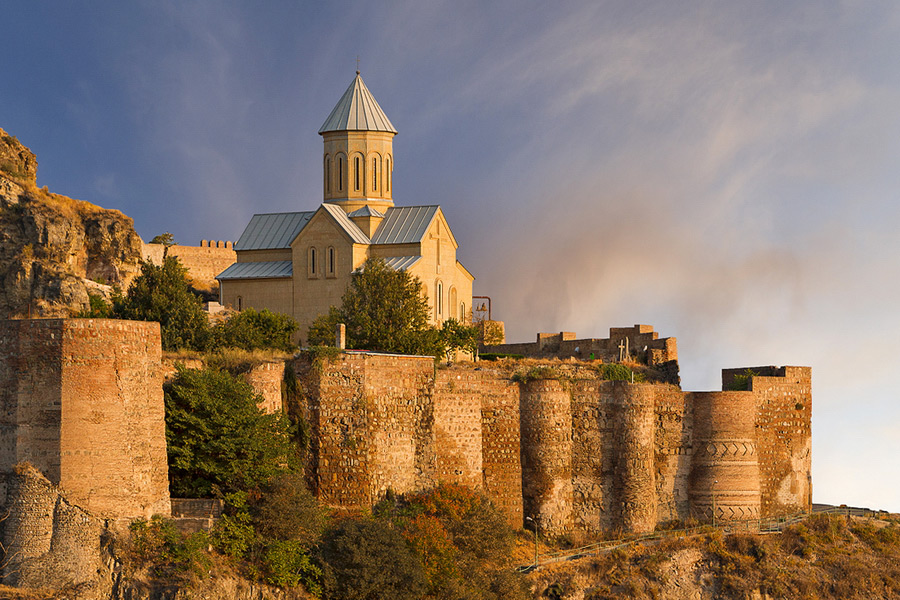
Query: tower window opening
(356, 172)
(387, 174)
(375, 174)
(340, 173)
(327, 174)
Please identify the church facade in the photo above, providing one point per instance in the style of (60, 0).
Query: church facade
(300, 263)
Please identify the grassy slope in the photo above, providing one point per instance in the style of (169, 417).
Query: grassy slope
(827, 556)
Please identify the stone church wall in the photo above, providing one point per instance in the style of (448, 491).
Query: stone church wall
(203, 262)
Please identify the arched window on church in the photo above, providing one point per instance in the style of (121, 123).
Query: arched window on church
(387, 174)
(330, 259)
(356, 173)
(374, 174)
(439, 300)
(340, 173)
(463, 317)
(451, 304)
(312, 270)
(240, 303)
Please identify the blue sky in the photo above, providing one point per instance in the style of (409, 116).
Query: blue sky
(727, 172)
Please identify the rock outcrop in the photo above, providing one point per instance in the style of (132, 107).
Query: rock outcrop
(55, 250)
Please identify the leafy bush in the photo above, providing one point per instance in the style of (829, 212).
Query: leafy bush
(170, 555)
(288, 565)
(286, 510)
(741, 381)
(367, 559)
(618, 372)
(252, 330)
(234, 533)
(161, 294)
(218, 440)
(536, 373)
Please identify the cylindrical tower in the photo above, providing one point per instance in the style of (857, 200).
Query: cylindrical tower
(546, 422)
(636, 470)
(724, 482)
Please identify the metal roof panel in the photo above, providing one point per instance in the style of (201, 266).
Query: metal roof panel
(258, 270)
(357, 110)
(272, 230)
(404, 224)
(349, 226)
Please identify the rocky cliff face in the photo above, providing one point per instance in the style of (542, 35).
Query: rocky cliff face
(53, 249)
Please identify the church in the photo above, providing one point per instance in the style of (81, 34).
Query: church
(300, 263)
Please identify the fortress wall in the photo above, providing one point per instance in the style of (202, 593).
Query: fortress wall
(725, 469)
(83, 402)
(399, 391)
(113, 406)
(30, 397)
(49, 542)
(266, 380)
(203, 262)
(546, 430)
(783, 428)
(593, 455)
(501, 452)
(636, 470)
(674, 438)
(372, 424)
(458, 427)
(642, 344)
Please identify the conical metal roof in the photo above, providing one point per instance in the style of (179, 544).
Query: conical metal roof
(357, 110)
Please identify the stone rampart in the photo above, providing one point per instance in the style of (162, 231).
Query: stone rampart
(574, 454)
(203, 262)
(81, 400)
(784, 437)
(639, 343)
(546, 417)
(724, 482)
(49, 542)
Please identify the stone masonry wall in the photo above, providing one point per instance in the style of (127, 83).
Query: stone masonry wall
(784, 439)
(724, 483)
(203, 262)
(50, 542)
(81, 400)
(579, 454)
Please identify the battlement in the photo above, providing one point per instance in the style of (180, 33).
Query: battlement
(639, 343)
(203, 262)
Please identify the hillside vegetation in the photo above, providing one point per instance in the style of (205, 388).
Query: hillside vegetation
(824, 557)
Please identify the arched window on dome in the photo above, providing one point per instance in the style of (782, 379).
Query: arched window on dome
(387, 174)
(374, 173)
(357, 173)
(327, 174)
(340, 182)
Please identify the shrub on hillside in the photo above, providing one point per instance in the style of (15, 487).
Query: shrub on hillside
(255, 330)
(218, 440)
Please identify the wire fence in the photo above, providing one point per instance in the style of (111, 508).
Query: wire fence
(770, 525)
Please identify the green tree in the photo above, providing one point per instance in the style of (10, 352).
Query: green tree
(252, 330)
(166, 239)
(385, 310)
(367, 559)
(217, 438)
(161, 294)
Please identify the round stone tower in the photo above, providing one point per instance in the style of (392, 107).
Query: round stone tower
(724, 479)
(358, 160)
(546, 425)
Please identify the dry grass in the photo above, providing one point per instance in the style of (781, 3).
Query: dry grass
(826, 556)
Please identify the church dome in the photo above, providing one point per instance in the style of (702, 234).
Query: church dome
(357, 110)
